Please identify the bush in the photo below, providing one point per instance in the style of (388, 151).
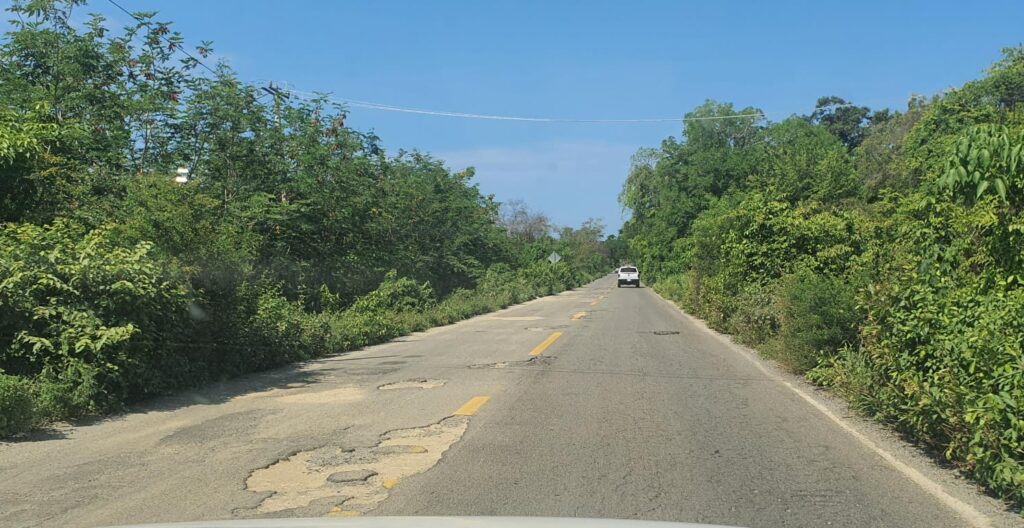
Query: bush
(351, 330)
(948, 364)
(545, 278)
(678, 288)
(818, 316)
(77, 390)
(395, 294)
(851, 374)
(17, 405)
(77, 306)
(501, 281)
(280, 331)
(754, 318)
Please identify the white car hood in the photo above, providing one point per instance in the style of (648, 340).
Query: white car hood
(428, 522)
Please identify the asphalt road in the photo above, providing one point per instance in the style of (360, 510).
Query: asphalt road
(599, 402)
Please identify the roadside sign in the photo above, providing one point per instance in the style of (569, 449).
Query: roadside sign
(554, 257)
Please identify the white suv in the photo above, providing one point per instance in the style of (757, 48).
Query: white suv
(629, 275)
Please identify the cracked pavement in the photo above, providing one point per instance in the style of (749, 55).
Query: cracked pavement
(635, 411)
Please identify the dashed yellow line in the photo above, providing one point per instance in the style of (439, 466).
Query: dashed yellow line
(578, 315)
(471, 407)
(537, 350)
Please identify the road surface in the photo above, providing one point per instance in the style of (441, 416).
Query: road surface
(599, 402)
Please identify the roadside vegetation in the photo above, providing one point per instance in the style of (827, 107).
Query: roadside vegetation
(880, 253)
(293, 237)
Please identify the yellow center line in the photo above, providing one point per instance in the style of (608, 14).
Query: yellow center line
(544, 345)
(472, 406)
(579, 315)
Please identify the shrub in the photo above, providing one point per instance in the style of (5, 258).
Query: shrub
(948, 364)
(351, 329)
(851, 374)
(281, 331)
(818, 315)
(76, 305)
(395, 294)
(77, 390)
(754, 318)
(17, 405)
(677, 287)
(546, 278)
(500, 281)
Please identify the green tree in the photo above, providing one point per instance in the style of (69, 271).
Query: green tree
(845, 120)
(803, 161)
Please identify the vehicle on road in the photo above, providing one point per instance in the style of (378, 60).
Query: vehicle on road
(629, 275)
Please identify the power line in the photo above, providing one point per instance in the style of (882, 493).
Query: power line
(165, 39)
(307, 96)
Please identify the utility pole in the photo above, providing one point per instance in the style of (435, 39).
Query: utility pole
(279, 96)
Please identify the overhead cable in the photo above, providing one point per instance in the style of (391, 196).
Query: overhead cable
(307, 96)
(162, 37)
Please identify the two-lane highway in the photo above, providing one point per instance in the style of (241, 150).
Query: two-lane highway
(599, 402)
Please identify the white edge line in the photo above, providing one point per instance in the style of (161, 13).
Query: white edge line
(971, 515)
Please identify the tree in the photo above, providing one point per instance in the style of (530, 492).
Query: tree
(803, 161)
(618, 249)
(845, 120)
(25, 143)
(521, 223)
(878, 156)
(583, 246)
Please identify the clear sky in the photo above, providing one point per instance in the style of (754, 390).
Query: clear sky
(588, 59)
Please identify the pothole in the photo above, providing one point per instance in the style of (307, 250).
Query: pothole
(422, 383)
(665, 332)
(536, 361)
(358, 479)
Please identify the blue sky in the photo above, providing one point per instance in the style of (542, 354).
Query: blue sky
(588, 59)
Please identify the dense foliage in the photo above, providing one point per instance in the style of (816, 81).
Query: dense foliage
(882, 253)
(294, 236)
